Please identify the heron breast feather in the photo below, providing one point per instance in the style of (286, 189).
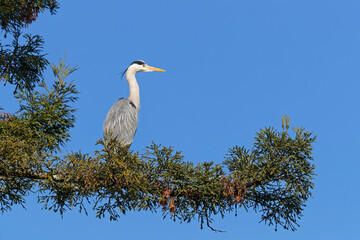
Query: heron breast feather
(121, 120)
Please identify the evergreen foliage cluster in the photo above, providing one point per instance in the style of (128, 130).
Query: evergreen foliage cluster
(22, 64)
(274, 177)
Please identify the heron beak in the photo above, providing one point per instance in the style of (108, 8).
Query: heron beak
(155, 69)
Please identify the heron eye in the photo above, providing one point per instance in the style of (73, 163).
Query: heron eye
(144, 65)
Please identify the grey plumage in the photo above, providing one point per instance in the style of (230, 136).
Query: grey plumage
(121, 121)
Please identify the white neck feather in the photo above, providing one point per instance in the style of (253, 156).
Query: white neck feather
(134, 92)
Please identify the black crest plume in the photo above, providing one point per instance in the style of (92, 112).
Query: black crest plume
(139, 62)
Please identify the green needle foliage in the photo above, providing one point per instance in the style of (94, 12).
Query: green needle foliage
(48, 111)
(16, 14)
(22, 64)
(280, 173)
(274, 177)
(28, 139)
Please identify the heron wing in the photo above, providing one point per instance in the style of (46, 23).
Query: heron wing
(122, 121)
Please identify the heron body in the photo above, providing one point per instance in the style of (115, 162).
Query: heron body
(122, 121)
(122, 118)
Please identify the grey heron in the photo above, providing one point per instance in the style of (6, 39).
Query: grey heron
(122, 118)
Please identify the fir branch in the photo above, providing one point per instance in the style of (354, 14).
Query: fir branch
(23, 65)
(17, 14)
(116, 180)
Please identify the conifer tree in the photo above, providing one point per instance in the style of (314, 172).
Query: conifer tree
(274, 177)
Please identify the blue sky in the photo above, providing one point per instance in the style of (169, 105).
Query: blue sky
(233, 67)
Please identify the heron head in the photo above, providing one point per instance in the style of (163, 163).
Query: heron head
(141, 66)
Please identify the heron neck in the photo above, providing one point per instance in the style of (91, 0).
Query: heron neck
(134, 92)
